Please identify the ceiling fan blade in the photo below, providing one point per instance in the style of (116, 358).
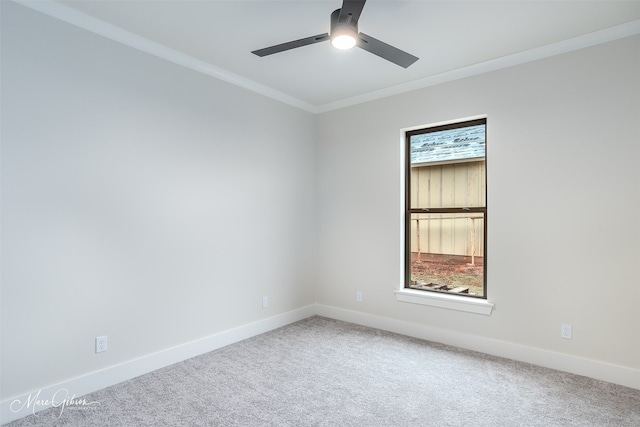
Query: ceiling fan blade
(353, 8)
(291, 45)
(385, 51)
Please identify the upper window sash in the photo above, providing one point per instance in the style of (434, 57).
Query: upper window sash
(446, 166)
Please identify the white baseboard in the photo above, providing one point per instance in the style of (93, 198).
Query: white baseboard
(57, 394)
(616, 374)
(53, 395)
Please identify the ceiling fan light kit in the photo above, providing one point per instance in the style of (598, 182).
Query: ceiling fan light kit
(344, 35)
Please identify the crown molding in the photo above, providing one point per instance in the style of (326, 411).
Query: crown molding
(89, 23)
(97, 26)
(580, 42)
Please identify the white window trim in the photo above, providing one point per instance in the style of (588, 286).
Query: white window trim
(433, 299)
(447, 301)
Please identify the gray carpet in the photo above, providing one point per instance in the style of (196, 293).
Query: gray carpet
(322, 372)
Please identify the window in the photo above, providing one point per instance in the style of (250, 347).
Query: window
(446, 209)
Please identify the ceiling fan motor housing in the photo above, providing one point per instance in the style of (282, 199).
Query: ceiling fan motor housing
(346, 27)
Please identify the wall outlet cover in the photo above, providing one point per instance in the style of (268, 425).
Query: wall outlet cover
(101, 344)
(565, 331)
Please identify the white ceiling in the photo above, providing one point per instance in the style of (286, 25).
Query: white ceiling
(452, 39)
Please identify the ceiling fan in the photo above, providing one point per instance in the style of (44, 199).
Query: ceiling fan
(344, 35)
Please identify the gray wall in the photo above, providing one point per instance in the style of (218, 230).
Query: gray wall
(563, 146)
(132, 191)
(131, 188)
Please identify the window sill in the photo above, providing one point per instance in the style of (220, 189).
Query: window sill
(451, 302)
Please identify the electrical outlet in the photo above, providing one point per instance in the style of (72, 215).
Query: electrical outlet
(101, 344)
(359, 296)
(565, 331)
(265, 302)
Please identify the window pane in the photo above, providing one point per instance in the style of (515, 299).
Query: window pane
(447, 252)
(448, 167)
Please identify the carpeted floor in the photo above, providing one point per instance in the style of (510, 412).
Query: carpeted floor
(323, 372)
